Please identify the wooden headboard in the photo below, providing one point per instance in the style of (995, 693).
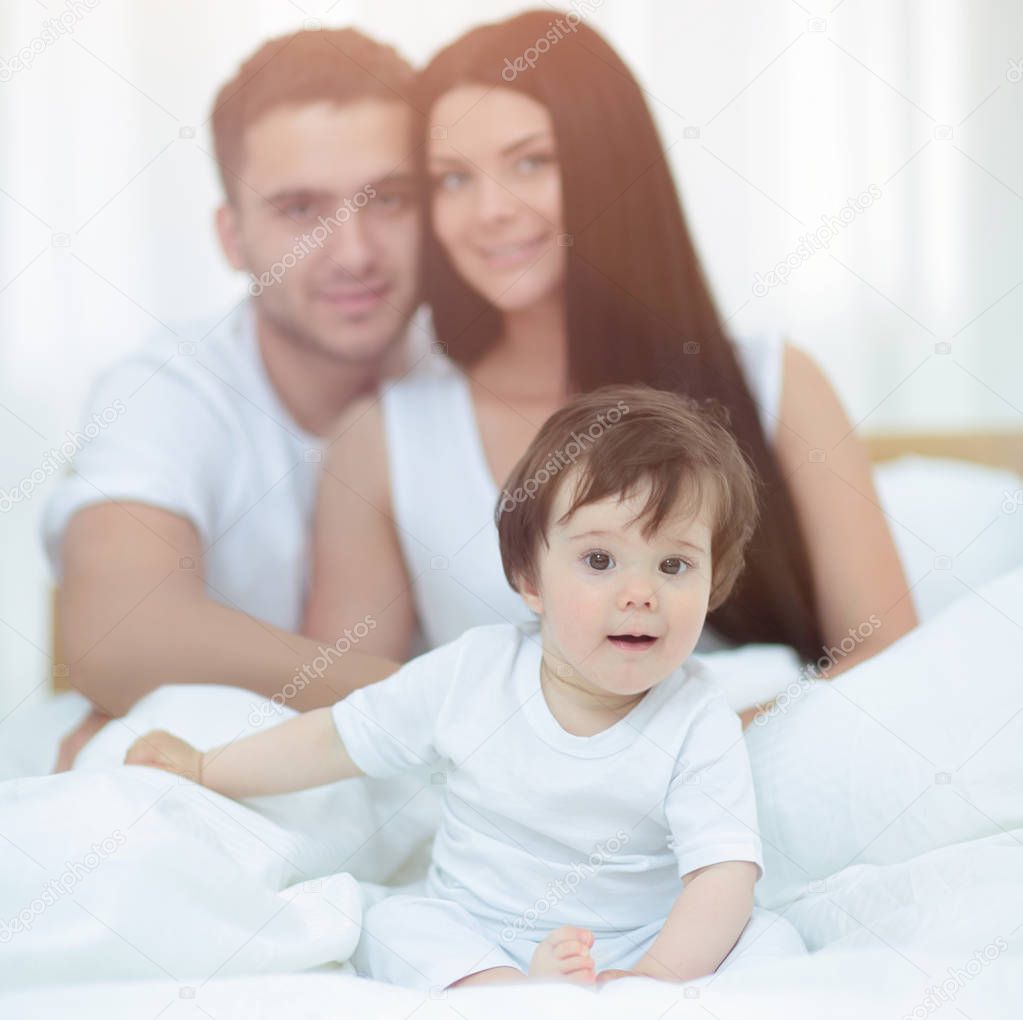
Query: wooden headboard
(997, 449)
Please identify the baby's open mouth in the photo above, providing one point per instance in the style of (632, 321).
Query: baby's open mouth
(631, 642)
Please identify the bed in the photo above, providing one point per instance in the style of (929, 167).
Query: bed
(891, 807)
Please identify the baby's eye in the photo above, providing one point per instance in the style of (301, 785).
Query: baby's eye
(674, 565)
(598, 560)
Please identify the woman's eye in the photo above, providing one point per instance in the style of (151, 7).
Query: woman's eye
(598, 560)
(530, 164)
(674, 565)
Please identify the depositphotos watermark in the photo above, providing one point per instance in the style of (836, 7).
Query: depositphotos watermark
(56, 459)
(310, 241)
(1012, 501)
(565, 458)
(813, 672)
(316, 669)
(938, 995)
(63, 885)
(558, 889)
(559, 28)
(52, 30)
(810, 244)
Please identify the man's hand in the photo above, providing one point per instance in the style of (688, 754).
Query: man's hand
(163, 750)
(77, 738)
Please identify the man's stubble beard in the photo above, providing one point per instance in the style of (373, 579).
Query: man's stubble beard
(307, 342)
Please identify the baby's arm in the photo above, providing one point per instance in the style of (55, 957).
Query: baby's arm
(302, 752)
(704, 924)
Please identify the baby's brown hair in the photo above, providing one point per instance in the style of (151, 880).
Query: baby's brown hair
(624, 436)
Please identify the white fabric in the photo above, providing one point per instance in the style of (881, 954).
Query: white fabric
(874, 983)
(895, 890)
(428, 943)
(205, 435)
(155, 875)
(131, 873)
(866, 782)
(955, 524)
(444, 496)
(542, 827)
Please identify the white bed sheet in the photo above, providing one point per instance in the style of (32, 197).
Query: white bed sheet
(867, 984)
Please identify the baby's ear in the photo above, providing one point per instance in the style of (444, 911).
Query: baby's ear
(529, 592)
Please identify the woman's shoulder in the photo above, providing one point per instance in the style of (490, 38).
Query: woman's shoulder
(787, 383)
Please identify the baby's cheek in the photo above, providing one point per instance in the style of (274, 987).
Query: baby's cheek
(689, 617)
(580, 625)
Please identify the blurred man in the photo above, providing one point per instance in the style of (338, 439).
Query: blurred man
(181, 536)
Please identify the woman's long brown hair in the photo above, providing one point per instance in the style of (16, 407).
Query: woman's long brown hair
(637, 304)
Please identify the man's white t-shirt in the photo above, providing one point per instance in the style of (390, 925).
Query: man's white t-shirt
(205, 435)
(540, 825)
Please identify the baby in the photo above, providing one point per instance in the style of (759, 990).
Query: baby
(590, 763)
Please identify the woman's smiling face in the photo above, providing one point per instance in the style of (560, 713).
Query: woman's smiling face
(496, 193)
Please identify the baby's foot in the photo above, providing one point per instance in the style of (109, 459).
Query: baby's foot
(564, 955)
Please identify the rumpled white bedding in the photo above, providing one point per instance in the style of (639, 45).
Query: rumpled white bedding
(891, 809)
(840, 985)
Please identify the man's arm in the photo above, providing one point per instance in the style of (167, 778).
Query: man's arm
(304, 751)
(706, 921)
(134, 614)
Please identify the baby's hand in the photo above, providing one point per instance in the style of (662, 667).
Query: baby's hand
(564, 955)
(163, 750)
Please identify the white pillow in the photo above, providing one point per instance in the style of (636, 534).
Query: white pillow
(379, 830)
(920, 747)
(954, 522)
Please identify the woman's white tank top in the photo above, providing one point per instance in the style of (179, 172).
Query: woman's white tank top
(443, 496)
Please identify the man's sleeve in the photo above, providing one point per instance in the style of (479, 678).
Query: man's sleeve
(391, 726)
(151, 434)
(711, 805)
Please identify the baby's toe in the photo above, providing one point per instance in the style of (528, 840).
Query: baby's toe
(579, 969)
(571, 947)
(571, 932)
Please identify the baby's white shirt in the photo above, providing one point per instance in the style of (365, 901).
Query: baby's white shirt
(541, 827)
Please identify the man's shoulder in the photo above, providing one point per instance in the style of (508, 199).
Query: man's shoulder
(191, 363)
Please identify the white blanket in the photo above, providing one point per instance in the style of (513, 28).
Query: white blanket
(861, 985)
(891, 806)
(115, 871)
